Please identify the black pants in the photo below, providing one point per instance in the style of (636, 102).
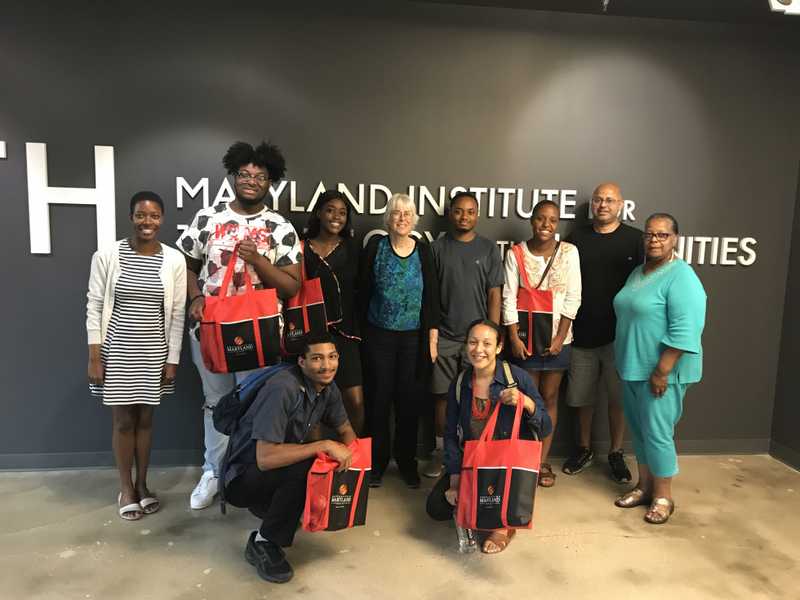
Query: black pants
(437, 505)
(391, 361)
(276, 496)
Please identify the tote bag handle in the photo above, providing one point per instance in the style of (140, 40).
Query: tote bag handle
(523, 273)
(488, 431)
(226, 281)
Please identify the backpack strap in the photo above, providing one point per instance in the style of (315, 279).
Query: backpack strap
(510, 382)
(459, 381)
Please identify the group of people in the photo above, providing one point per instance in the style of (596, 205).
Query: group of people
(404, 319)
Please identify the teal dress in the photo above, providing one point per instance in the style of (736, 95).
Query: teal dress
(664, 308)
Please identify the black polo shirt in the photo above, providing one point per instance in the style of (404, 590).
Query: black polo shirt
(286, 408)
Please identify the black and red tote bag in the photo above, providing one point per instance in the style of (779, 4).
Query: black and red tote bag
(498, 479)
(239, 333)
(534, 307)
(338, 500)
(303, 313)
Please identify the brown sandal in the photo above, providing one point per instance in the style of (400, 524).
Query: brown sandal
(657, 516)
(635, 497)
(499, 540)
(546, 476)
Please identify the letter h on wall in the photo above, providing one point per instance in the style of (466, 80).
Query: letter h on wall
(41, 196)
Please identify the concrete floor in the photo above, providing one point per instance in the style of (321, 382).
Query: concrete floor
(735, 534)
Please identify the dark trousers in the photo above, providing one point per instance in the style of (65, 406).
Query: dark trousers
(437, 505)
(276, 496)
(391, 361)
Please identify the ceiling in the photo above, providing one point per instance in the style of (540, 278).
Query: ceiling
(730, 11)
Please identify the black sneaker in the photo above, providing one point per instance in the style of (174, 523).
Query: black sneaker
(619, 470)
(269, 560)
(578, 461)
(375, 479)
(410, 477)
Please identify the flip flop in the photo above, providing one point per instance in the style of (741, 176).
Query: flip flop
(499, 543)
(150, 505)
(127, 512)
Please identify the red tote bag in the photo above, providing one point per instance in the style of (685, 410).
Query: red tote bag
(534, 307)
(239, 333)
(303, 312)
(338, 500)
(498, 479)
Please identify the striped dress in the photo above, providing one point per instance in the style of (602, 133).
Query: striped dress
(135, 348)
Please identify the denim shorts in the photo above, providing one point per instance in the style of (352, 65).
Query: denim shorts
(559, 362)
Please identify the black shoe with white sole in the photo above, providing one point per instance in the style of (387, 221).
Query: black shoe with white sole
(619, 470)
(578, 461)
(269, 560)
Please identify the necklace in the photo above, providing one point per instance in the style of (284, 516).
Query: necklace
(480, 406)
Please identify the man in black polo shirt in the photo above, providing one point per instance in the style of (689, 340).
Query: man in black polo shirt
(286, 409)
(609, 251)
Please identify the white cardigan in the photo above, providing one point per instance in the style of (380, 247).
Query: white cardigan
(103, 278)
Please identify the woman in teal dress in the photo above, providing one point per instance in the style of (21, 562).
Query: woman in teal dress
(660, 317)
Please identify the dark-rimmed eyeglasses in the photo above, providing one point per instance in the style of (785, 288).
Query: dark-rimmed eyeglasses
(245, 176)
(661, 236)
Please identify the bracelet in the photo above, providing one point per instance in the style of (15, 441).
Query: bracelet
(196, 297)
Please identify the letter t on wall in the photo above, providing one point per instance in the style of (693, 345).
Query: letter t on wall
(41, 196)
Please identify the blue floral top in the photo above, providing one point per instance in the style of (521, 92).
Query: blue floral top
(397, 298)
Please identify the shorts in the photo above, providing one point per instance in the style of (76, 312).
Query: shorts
(349, 373)
(451, 361)
(593, 373)
(559, 362)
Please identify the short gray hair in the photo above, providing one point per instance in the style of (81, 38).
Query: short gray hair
(400, 201)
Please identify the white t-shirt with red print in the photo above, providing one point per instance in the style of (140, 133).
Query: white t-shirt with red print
(216, 230)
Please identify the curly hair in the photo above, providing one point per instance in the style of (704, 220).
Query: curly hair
(313, 227)
(265, 155)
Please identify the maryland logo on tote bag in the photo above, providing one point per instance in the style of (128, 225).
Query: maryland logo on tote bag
(338, 500)
(534, 307)
(498, 479)
(303, 312)
(241, 332)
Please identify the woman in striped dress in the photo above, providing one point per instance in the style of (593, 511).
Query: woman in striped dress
(134, 321)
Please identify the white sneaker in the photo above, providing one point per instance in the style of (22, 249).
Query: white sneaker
(433, 468)
(205, 490)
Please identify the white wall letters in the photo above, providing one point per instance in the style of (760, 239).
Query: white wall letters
(41, 196)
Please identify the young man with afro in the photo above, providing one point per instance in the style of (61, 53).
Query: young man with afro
(270, 251)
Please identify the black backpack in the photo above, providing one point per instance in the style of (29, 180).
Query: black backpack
(229, 412)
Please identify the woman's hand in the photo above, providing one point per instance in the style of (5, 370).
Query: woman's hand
(658, 382)
(196, 309)
(510, 396)
(518, 348)
(451, 495)
(556, 345)
(95, 371)
(168, 374)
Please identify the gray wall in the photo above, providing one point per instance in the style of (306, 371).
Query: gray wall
(785, 443)
(696, 119)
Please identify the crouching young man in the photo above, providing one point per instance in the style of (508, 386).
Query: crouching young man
(287, 408)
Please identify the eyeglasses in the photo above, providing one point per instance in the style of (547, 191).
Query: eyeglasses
(245, 176)
(661, 236)
(397, 214)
